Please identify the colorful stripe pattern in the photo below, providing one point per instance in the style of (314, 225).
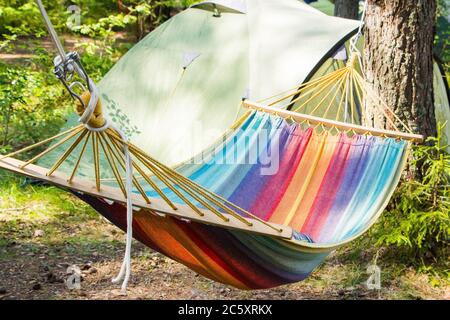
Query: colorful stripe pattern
(243, 260)
(329, 188)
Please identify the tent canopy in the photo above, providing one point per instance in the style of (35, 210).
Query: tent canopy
(180, 88)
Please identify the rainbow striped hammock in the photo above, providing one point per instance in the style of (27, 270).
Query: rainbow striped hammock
(241, 222)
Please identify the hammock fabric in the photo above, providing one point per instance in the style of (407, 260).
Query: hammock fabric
(330, 188)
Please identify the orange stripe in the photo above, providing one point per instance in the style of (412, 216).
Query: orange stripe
(299, 197)
(155, 229)
(318, 175)
(178, 246)
(286, 208)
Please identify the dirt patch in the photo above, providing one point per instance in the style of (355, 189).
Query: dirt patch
(38, 273)
(25, 48)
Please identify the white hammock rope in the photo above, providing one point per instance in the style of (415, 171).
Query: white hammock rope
(125, 270)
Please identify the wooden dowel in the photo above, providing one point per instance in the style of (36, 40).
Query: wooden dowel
(161, 177)
(369, 92)
(358, 90)
(151, 183)
(140, 153)
(314, 83)
(113, 166)
(332, 89)
(121, 160)
(322, 87)
(171, 177)
(333, 99)
(332, 123)
(197, 195)
(342, 100)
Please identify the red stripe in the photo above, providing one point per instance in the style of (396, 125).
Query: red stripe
(328, 188)
(212, 240)
(276, 186)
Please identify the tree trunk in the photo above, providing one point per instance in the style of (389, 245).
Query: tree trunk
(120, 6)
(346, 8)
(398, 59)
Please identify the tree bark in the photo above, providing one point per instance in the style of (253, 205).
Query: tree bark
(398, 61)
(346, 8)
(120, 7)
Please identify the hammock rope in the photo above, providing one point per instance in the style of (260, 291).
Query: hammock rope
(347, 85)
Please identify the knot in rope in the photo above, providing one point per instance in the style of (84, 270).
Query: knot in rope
(91, 115)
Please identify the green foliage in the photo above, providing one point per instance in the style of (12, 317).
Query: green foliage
(33, 103)
(103, 28)
(418, 217)
(22, 17)
(442, 39)
(30, 106)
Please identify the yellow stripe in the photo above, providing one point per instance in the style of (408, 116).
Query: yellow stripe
(320, 169)
(312, 167)
(288, 205)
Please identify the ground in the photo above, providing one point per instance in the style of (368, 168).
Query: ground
(43, 231)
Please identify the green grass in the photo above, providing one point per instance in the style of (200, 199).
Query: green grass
(325, 6)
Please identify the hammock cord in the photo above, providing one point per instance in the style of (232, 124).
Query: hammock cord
(125, 270)
(72, 64)
(354, 41)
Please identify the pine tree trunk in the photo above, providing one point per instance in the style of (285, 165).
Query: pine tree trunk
(346, 8)
(398, 58)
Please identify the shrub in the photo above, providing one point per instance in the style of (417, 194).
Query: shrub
(417, 218)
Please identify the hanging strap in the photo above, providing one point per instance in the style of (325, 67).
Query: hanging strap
(358, 35)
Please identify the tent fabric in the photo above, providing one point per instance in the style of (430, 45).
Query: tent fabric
(174, 113)
(442, 105)
(227, 5)
(287, 40)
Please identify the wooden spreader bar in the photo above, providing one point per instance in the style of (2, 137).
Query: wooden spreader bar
(299, 117)
(155, 205)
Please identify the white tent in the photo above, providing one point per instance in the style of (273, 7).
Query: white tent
(181, 86)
